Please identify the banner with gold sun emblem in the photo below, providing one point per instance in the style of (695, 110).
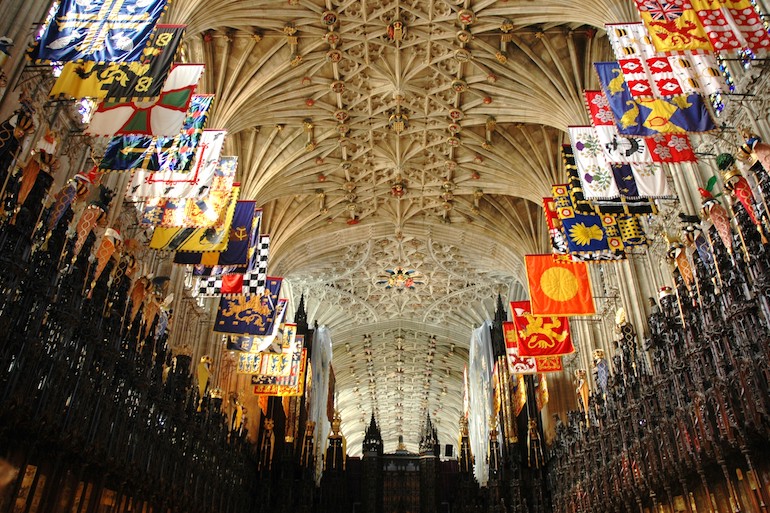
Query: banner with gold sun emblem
(558, 286)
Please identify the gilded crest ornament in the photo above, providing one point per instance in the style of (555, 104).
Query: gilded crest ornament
(462, 55)
(333, 38)
(459, 86)
(466, 16)
(463, 36)
(400, 279)
(396, 31)
(329, 18)
(398, 122)
(338, 86)
(398, 189)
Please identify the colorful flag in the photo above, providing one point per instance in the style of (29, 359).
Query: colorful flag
(592, 167)
(610, 164)
(125, 153)
(624, 206)
(555, 227)
(588, 236)
(549, 364)
(100, 30)
(516, 364)
(673, 25)
(558, 286)
(244, 236)
(540, 336)
(249, 315)
(631, 230)
(649, 116)
(175, 184)
(177, 154)
(238, 260)
(276, 362)
(660, 147)
(615, 217)
(253, 344)
(162, 117)
(212, 238)
(617, 148)
(293, 386)
(671, 148)
(123, 81)
(732, 25)
(234, 283)
(199, 212)
(276, 374)
(238, 255)
(649, 72)
(525, 364)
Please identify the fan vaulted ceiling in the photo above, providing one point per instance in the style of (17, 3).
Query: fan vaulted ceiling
(400, 150)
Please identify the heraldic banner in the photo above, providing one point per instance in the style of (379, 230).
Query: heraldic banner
(540, 336)
(100, 30)
(249, 315)
(558, 286)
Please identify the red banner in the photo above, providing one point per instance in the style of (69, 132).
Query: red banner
(540, 336)
(549, 364)
(558, 286)
(526, 364)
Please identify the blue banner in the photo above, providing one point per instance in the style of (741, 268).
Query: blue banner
(585, 234)
(249, 315)
(125, 152)
(177, 153)
(650, 116)
(129, 152)
(100, 31)
(246, 222)
(624, 178)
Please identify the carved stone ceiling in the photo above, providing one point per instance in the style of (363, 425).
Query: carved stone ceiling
(390, 141)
